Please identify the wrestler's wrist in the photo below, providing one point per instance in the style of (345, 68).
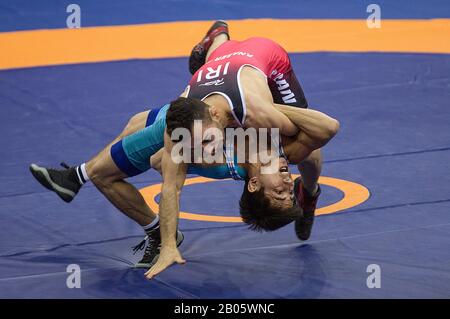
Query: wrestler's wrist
(169, 243)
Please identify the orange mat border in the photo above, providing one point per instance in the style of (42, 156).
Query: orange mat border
(175, 39)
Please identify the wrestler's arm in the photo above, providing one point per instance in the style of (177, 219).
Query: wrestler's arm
(261, 113)
(316, 129)
(156, 160)
(174, 175)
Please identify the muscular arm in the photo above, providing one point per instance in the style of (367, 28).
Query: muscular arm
(156, 160)
(317, 126)
(316, 129)
(173, 179)
(174, 175)
(264, 114)
(270, 117)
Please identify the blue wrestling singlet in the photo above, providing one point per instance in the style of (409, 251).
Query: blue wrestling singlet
(132, 153)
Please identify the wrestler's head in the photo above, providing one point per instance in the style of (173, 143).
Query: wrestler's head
(267, 201)
(187, 113)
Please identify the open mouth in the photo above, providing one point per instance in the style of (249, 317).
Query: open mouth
(284, 169)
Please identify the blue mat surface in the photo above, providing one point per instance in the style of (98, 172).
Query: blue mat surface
(394, 140)
(48, 14)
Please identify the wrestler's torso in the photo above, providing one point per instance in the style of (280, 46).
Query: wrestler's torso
(221, 74)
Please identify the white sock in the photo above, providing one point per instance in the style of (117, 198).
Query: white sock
(153, 225)
(82, 174)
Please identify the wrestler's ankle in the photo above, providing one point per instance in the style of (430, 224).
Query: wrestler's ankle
(217, 42)
(311, 189)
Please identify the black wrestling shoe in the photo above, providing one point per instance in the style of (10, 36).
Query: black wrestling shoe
(153, 248)
(63, 182)
(199, 52)
(304, 224)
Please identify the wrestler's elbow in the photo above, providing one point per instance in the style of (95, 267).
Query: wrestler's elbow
(288, 129)
(333, 127)
(329, 130)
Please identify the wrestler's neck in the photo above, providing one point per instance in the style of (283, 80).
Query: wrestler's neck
(221, 111)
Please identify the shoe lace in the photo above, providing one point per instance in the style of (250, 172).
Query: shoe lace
(153, 244)
(63, 164)
(140, 246)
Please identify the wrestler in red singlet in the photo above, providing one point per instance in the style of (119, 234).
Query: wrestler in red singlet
(220, 74)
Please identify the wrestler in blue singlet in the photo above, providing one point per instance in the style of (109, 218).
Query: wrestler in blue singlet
(132, 153)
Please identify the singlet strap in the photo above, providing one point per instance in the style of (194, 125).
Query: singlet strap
(277, 143)
(230, 159)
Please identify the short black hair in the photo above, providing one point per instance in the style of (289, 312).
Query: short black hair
(184, 111)
(257, 212)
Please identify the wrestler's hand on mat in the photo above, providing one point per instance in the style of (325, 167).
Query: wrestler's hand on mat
(167, 257)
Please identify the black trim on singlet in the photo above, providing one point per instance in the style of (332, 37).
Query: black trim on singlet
(228, 82)
(280, 148)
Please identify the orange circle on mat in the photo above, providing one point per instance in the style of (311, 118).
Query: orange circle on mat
(354, 194)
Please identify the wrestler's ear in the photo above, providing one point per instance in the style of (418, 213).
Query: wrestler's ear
(253, 184)
(213, 112)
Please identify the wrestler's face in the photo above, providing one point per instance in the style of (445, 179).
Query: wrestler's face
(279, 186)
(208, 136)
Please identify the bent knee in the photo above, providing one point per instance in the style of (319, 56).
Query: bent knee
(136, 123)
(97, 173)
(102, 172)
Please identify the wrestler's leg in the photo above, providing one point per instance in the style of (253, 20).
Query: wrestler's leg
(137, 122)
(216, 35)
(306, 188)
(107, 177)
(108, 171)
(66, 183)
(310, 168)
(218, 41)
(111, 166)
(129, 157)
(110, 181)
